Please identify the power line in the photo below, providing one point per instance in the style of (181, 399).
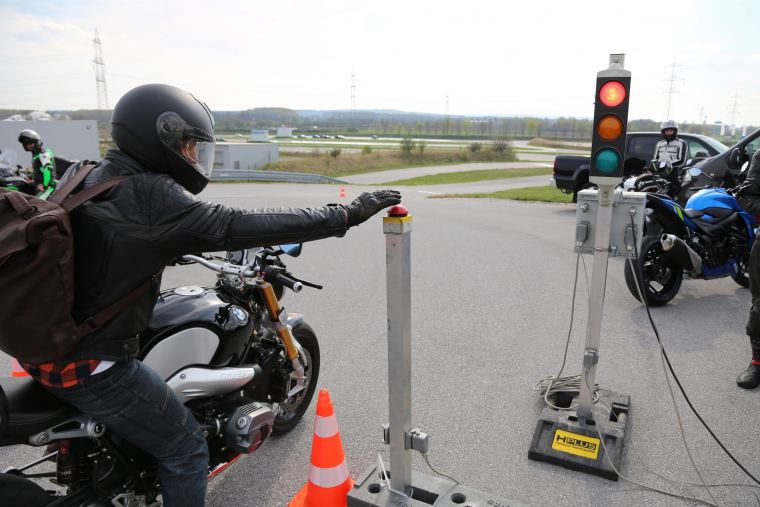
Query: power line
(733, 112)
(671, 90)
(100, 73)
(353, 96)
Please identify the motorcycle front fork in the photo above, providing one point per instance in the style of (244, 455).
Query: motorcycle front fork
(279, 320)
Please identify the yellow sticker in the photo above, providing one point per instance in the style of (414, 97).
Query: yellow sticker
(573, 443)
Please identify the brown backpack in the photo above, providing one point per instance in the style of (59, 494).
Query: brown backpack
(37, 272)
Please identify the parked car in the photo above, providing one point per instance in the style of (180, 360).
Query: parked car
(571, 171)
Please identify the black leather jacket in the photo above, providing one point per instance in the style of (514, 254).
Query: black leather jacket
(750, 196)
(129, 235)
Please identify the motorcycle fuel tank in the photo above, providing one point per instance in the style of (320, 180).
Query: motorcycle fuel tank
(194, 325)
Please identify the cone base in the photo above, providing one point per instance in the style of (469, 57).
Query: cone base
(312, 495)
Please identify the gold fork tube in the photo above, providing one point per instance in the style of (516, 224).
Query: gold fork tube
(274, 309)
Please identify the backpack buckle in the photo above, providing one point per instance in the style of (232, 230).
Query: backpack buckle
(90, 322)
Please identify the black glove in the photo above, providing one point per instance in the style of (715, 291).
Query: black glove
(369, 203)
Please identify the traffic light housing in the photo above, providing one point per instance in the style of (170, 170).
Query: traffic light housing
(610, 123)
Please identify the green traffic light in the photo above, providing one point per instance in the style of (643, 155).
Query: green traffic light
(607, 160)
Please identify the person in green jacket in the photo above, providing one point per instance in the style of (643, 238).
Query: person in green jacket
(43, 162)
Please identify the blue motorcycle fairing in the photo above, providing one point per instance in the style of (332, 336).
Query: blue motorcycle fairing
(717, 198)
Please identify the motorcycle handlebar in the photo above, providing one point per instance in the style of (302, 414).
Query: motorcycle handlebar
(226, 268)
(277, 275)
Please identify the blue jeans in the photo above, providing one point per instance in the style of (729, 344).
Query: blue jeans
(138, 406)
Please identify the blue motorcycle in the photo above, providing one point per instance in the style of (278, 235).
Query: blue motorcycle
(710, 237)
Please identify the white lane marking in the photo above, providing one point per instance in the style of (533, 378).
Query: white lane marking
(426, 192)
(547, 165)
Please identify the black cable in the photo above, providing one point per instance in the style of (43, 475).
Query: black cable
(425, 456)
(640, 281)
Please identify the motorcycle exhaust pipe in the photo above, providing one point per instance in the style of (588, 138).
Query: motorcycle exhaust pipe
(681, 253)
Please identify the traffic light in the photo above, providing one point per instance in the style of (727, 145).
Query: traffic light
(610, 123)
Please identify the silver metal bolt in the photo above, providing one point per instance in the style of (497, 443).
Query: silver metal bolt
(242, 422)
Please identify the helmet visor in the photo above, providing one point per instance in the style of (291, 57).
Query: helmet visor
(194, 145)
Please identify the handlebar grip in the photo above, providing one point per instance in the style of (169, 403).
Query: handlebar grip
(278, 276)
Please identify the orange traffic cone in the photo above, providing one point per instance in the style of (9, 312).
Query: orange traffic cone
(17, 370)
(342, 194)
(329, 481)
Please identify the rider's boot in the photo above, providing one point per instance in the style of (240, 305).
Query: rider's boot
(750, 378)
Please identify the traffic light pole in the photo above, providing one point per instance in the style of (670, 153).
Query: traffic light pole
(577, 432)
(596, 302)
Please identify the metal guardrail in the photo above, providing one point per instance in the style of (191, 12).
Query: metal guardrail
(287, 177)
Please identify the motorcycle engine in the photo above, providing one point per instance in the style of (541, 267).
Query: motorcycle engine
(247, 427)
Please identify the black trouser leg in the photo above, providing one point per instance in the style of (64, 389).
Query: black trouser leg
(750, 378)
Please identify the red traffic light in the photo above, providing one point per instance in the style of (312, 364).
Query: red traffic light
(612, 93)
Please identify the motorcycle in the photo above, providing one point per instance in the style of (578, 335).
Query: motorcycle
(243, 366)
(12, 175)
(710, 237)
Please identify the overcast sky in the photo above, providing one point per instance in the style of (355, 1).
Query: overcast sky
(495, 57)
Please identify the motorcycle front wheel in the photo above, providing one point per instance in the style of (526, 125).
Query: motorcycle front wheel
(661, 278)
(289, 412)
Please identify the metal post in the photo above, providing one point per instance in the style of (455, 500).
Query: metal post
(397, 227)
(596, 301)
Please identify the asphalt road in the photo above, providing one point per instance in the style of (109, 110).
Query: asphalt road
(491, 291)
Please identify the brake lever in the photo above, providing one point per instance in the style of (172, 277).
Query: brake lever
(307, 284)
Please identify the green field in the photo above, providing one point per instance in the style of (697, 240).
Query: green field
(541, 194)
(358, 163)
(471, 176)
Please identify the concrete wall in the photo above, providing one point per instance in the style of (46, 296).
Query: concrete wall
(245, 156)
(72, 139)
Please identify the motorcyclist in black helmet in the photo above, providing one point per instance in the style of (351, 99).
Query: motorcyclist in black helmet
(43, 161)
(165, 140)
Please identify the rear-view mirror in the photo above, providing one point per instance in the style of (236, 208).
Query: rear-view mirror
(292, 249)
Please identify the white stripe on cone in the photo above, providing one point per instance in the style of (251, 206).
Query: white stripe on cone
(328, 477)
(325, 427)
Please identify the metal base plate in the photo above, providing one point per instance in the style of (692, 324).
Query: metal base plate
(426, 490)
(562, 439)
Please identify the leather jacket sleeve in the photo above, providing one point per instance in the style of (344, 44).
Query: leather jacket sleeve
(750, 198)
(180, 223)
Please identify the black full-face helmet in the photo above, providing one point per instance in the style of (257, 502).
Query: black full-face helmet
(27, 137)
(167, 130)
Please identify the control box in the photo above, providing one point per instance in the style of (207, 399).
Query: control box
(625, 205)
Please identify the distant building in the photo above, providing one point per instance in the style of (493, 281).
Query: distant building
(285, 131)
(245, 156)
(260, 136)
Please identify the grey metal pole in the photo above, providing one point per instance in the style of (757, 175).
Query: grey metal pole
(397, 227)
(596, 301)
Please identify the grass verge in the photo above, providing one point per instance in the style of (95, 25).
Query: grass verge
(470, 176)
(541, 194)
(358, 163)
(549, 143)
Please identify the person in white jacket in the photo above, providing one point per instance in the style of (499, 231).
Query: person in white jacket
(671, 149)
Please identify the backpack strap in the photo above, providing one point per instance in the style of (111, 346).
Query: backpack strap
(105, 315)
(63, 192)
(85, 195)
